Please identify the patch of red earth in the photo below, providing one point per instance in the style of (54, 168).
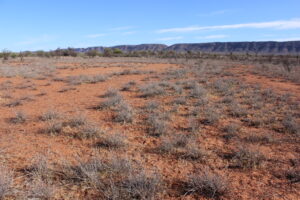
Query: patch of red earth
(280, 86)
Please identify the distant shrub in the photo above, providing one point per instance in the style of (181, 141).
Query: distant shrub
(81, 79)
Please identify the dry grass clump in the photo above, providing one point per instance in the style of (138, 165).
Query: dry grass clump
(193, 125)
(19, 101)
(248, 158)
(110, 102)
(235, 110)
(170, 143)
(141, 186)
(178, 89)
(40, 189)
(123, 113)
(41, 177)
(53, 128)
(290, 125)
(151, 90)
(81, 127)
(50, 115)
(6, 181)
(115, 140)
(254, 138)
(114, 178)
(207, 184)
(81, 79)
(77, 126)
(232, 128)
(111, 93)
(40, 168)
(36, 71)
(181, 146)
(128, 86)
(211, 116)
(293, 175)
(157, 125)
(66, 89)
(180, 101)
(76, 121)
(151, 106)
(88, 131)
(19, 118)
(198, 91)
(193, 152)
(230, 131)
(222, 86)
(14, 103)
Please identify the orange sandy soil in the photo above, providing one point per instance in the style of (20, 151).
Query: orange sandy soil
(22, 142)
(281, 86)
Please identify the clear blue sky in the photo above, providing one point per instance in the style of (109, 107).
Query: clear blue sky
(49, 24)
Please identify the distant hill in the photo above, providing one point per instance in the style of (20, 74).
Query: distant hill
(128, 48)
(291, 47)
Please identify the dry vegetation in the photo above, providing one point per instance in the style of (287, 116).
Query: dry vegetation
(137, 128)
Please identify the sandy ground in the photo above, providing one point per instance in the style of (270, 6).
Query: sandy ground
(22, 142)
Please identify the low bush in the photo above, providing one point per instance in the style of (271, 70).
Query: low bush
(124, 113)
(39, 189)
(115, 140)
(110, 102)
(19, 118)
(53, 128)
(151, 90)
(128, 86)
(290, 125)
(6, 181)
(248, 158)
(207, 184)
(157, 125)
(50, 115)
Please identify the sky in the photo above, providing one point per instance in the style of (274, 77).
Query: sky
(50, 24)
